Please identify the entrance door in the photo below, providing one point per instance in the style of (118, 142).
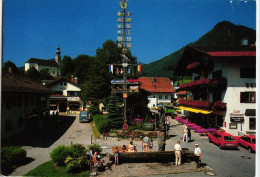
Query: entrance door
(63, 107)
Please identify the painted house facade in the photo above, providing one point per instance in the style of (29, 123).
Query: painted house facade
(160, 89)
(66, 95)
(23, 101)
(53, 65)
(223, 87)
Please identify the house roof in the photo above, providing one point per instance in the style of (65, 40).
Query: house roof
(205, 55)
(16, 82)
(59, 79)
(227, 51)
(43, 62)
(156, 84)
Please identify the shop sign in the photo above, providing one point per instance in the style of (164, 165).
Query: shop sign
(73, 99)
(236, 119)
(232, 126)
(119, 38)
(236, 113)
(119, 13)
(119, 32)
(128, 14)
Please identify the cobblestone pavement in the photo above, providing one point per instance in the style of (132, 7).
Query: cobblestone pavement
(147, 169)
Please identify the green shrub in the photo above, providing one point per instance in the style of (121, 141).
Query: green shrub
(102, 123)
(93, 110)
(60, 153)
(96, 147)
(12, 156)
(75, 165)
(78, 150)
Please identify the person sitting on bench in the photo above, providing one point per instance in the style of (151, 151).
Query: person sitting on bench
(131, 147)
(96, 160)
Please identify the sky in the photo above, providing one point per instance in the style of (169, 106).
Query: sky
(34, 28)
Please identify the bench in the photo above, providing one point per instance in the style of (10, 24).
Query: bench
(158, 156)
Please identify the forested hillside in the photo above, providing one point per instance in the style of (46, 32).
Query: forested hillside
(223, 33)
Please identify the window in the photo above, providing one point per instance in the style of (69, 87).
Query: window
(160, 96)
(252, 124)
(9, 101)
(166, 96)
(64, 83)
(20, 122)
(32, 99)
(20, 101)
(14, 97)
(216, 96)
(26, 101)
(197, 78)
(247, 73)
(247, 97)
(217, 74)
(61, 83)
(8, 126)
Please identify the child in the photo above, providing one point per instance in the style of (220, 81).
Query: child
(116, 154)
(151, 145)
(124, 148)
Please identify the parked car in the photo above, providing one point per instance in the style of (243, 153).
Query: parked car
(84, 116)
(247, 141)
(117, 81)
(130, 80)
(223, 140)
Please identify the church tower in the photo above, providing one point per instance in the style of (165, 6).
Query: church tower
(58, 57)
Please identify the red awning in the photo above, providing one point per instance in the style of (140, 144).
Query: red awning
(233, 54)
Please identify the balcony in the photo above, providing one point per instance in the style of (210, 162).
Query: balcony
(204, 83)
(205, 104)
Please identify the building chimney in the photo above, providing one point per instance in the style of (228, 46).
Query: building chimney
(72, 78)
(75, 80)
(10, 70)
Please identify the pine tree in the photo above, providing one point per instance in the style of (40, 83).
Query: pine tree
(114, 109)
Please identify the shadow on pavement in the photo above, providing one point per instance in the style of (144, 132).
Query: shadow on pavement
(42, 136)
(10, 169)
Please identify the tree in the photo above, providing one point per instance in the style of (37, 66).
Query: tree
(9, 64)
(34, 74)
(82, 65)
(67, 67)
(45, 75)
(115, 111)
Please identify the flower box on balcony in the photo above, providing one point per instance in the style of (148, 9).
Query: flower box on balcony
(193, 65)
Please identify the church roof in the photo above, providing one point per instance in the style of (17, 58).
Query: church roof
(43, 62)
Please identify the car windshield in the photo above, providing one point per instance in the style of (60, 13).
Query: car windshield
(84, 114)
(229, 138)
(253, 140)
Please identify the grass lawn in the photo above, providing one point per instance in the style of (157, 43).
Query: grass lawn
(50, 169)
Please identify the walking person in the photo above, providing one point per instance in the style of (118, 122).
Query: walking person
(189, 135)
(185, 134)
(197, 155)
(178, 151)
(145, 143)
(151, 145)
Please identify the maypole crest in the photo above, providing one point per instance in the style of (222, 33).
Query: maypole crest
(123, 4)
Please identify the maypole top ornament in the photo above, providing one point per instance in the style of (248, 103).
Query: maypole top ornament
(123, 5)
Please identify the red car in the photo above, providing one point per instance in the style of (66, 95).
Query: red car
(248, 141)
(223, 140)
(130, 80)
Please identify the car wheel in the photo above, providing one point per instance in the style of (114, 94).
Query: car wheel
(250, 149)
(220, 147)
(210, 140)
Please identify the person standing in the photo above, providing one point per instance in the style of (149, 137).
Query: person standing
(151, 145)
(116, 154)
(197, 155)
(145, 143)
(189, 135)
(185, 133)
(178, 151)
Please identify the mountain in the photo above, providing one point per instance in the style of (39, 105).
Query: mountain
(223, 33)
